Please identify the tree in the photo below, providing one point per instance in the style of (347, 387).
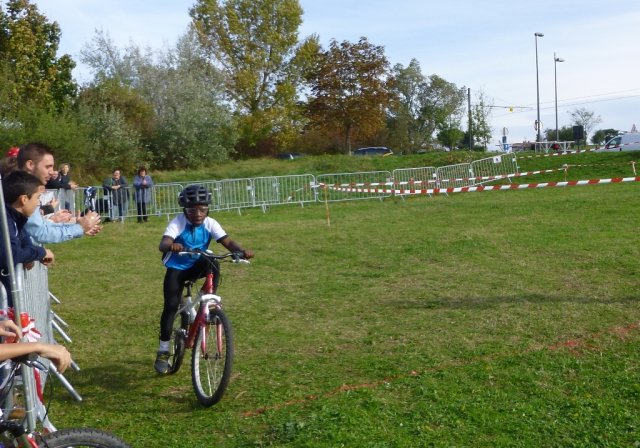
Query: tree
(443, 105)
(28, 48)
(603, 135)
(172, 101)
(480, 128)
(255, 43)
(585, 118)
(350, 90)
(407, 129)
(194, 126)
(451, 137)
(565, 133)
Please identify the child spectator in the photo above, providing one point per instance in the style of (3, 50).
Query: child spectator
(22, 193)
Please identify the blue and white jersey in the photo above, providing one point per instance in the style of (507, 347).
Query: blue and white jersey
(191, 237)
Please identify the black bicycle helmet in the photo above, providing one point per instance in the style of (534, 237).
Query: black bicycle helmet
(194, 195)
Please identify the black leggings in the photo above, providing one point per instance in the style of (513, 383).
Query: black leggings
(174, 281)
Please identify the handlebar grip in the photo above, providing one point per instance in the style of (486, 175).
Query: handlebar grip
(25, 359)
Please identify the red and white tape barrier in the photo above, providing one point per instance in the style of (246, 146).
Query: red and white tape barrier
(29, 330)
(432, 181)
(430, 191)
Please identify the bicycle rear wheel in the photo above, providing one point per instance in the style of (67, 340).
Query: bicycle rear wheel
(176, 342)
(212, 358)
(81, 437)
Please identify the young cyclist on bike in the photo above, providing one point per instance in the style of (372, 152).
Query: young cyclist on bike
(191, 230)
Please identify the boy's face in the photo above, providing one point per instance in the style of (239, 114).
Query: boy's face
(197, 214)
(31, 204)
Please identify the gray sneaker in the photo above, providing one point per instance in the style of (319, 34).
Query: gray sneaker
(162, 362)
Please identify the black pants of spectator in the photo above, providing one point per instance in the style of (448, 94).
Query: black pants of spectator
(142, 211)
(173, 287)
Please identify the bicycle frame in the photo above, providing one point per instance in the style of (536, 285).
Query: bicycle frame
(206, 298)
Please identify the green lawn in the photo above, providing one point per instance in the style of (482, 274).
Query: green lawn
(506, 318)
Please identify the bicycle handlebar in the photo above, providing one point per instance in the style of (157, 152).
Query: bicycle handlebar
(236, 257)
(30, 360)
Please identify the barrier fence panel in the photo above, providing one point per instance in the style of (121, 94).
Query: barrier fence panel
(231, 193)
(415, 178)
(165, 199)
(353, 186)
(453, 176)
(497, 167)
(296, 189)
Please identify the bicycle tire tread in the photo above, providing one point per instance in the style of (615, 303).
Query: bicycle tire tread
(81, 437)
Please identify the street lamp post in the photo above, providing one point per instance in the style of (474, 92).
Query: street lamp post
(538, 125)
(555, 76)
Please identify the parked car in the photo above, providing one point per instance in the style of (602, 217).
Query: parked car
(289, 155)
(624, 142)
(372, 151)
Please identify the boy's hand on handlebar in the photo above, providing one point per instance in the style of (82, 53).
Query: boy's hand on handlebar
(248, 254)
(176, 247)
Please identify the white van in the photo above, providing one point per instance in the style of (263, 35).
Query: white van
(624, 142)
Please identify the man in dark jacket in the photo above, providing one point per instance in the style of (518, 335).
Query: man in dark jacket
(116, 188)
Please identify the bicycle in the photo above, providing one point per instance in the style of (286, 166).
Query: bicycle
(202, 326)
(13, 432)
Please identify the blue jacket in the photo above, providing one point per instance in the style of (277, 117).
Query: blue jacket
(44, 231)
(22, 249)
(143, 190)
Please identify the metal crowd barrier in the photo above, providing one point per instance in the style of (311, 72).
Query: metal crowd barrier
(353, 186)
(454, 176)
(415, 178)
(236, 194)
(276, 190)
(35, 300)
(492, 168)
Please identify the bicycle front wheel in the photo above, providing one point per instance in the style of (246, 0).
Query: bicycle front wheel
(177, 341)
(212, 358)
(82, 437)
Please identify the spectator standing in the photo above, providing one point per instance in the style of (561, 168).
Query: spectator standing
(142, 182)
(67, 187)
(116, 187)
(49, 201)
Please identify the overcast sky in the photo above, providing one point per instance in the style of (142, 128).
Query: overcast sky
(485, 46)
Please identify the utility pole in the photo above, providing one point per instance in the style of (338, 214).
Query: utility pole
(470, 121)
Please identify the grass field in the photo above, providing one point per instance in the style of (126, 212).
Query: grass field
(487, 319)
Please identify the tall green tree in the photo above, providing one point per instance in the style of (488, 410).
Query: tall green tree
(450, 136)
(194, 124)
(423, 106)
(172, 100)
(350, 90)
(407, 130)
(480, 126)
(28, 51)
(256, 45)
